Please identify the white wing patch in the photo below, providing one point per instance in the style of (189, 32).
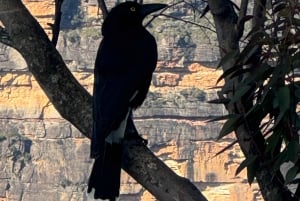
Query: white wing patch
(117, 135)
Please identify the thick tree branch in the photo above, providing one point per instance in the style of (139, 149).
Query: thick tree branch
(46, 64)
(74, 103)
(155, 176)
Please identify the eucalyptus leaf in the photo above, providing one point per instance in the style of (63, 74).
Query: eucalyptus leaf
(223, 117)
(240, 92)
(229, 126)
(219, 101)
(248, 161)
(251, 170)
(273, 142)
(291, 174)
(293, 150)
(281, 158)
(283, 101)
(228, 58)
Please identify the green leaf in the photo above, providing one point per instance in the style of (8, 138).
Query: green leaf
(227, 73)
(282, 157)
(290, 153)
(223, 117)
(291, 174)
(228, 58)
(273, 142)
(282, 98)
(297, 94)
(250, 160)
(255, 32)
(296, 63)
(279, 7)
(239, 72)
(251, 170)
(275, 195)
(240, 92)
(229, 126)
(219, 101)
(261, 108)
(226, 148)
(262, 72)
(248, 52)
(293, 149)
(285, 12)
(297, 124)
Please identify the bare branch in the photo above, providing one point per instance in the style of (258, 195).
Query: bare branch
(57, 19)
(161, 12)
(258, 13)
(241, 21)
(103, 7)
(189, 22)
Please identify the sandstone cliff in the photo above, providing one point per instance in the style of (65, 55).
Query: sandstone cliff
(43, 157)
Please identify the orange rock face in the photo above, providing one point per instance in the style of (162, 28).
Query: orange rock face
(188, 156)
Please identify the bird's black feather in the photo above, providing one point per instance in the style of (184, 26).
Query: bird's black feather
(124, 65)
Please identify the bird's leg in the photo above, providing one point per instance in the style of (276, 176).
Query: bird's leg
(131, 132)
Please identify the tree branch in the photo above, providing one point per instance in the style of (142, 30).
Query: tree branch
(103, 7)
(74, 103)
(46, 64)
(57, 19)
(188, 22)
(242, 15)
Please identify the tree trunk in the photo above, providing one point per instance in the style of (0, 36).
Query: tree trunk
(74, 103)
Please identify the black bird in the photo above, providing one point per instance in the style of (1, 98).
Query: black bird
(124, 65)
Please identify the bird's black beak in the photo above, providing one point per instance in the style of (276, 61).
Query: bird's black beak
(150, 8)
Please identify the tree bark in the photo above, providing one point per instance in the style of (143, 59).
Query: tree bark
(74, 103)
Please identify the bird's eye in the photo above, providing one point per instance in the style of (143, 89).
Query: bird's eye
(132, 9)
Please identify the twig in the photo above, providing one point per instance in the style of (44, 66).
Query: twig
(241, 21)
(161, 12)
(57, 19)
(188, 22)
(103, 7)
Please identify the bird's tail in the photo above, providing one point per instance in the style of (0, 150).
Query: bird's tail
(105, 177)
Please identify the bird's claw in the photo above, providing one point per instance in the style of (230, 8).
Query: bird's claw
(137, 138)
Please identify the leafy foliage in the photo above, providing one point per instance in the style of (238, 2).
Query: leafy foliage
(268, 72)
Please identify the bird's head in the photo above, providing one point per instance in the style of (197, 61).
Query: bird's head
(127, 15)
